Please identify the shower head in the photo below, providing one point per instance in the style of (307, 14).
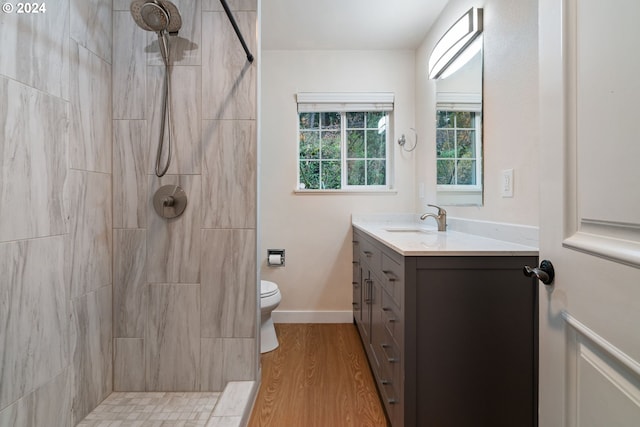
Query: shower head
(156, 15)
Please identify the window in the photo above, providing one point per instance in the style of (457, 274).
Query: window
(457, 147)
(343, 141)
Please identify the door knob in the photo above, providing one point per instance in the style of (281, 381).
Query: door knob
(544, 273)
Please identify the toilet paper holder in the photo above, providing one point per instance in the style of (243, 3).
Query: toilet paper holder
(275, 257)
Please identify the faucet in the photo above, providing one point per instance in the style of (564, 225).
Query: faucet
(441, 217)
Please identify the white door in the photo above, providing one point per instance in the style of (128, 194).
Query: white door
(590, 212)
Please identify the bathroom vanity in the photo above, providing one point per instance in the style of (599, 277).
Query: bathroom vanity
(449, 324)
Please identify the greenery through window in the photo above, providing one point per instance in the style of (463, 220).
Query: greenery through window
(342, 150)
(457, 139)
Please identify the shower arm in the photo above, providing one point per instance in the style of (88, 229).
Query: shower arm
(237, 30)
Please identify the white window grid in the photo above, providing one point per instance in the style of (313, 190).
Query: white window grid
(343, 155)
(477, 122)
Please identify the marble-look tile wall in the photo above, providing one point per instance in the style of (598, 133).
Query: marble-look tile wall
(185, 307)
(55, 213)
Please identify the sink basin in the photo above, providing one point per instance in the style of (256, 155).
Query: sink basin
(407, 230)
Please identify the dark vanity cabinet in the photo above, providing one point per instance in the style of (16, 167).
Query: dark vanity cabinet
(451, 340)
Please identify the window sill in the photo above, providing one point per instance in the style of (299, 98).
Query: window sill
(385, 192)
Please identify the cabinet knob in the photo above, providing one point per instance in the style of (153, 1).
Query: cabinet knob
(390, 276)
(389, 359)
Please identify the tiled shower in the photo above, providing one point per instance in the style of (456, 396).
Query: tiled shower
(97, 292)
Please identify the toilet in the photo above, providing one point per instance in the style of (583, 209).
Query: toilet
(270, 298)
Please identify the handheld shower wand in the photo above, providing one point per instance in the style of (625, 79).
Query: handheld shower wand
(163, 18)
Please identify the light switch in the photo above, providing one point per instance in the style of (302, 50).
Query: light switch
(507, 183)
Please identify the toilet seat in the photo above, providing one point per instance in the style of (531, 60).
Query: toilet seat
(267, 289)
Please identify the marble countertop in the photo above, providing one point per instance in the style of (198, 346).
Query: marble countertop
(409, 237)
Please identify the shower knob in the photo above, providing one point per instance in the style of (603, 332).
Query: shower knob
(170, 201)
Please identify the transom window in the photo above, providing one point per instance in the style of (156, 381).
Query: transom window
(343, 147)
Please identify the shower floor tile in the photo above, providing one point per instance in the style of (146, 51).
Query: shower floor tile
(162, 409)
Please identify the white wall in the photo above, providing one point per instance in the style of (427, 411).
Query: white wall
(315, 230)
(510, 112)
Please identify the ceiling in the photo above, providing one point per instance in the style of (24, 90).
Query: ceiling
(347, 24)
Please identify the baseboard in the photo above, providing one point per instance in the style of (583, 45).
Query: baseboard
(284, 316)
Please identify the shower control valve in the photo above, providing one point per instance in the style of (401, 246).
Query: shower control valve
(170, 201)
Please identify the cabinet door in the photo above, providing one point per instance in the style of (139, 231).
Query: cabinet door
(376, 321)
(476, 342)
(365, 323)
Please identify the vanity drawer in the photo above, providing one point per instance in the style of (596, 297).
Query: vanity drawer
(370, 254)
(389, 358)
(390, 397)
(387, 353)
(393, 278)
(391, 318)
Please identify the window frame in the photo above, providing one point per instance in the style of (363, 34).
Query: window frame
(344, 103)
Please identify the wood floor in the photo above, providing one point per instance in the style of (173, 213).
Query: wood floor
(318, 377)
